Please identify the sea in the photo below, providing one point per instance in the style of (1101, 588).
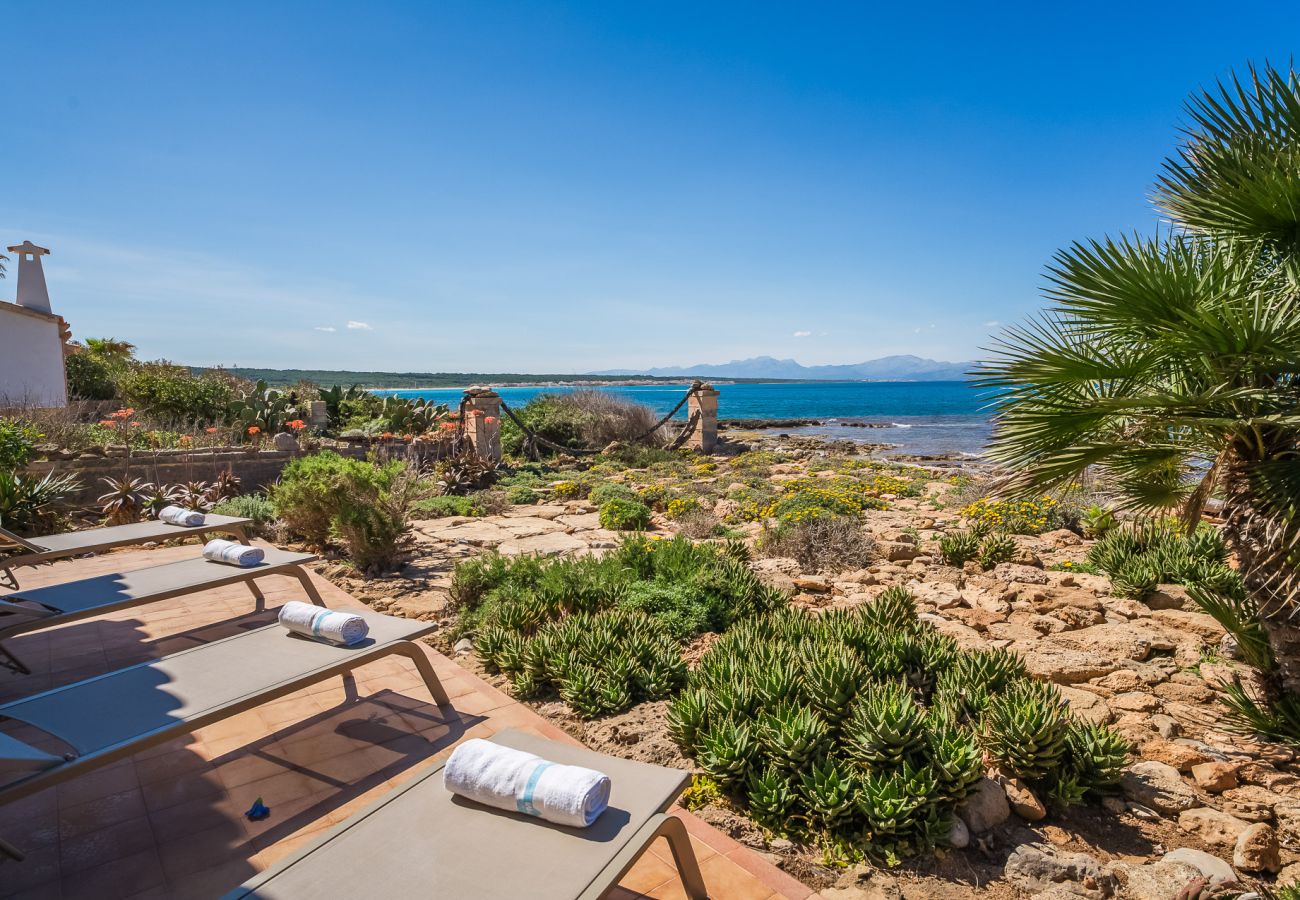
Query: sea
(916, 418)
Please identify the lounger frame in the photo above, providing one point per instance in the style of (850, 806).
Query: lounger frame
(37, 555)
(34, 615)
(658, 824)
(79, 765)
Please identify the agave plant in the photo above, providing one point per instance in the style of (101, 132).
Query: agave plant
(195, 495)
(996, 548)
(1169, 364)
(955, 760)
(225, 486)
(154, 498)
(688, 718)
(1097, 754)
(894, 802)
(728, 751)
(832, 678)
(123, 502)
(27, 505)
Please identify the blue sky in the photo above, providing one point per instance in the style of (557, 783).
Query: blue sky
(560, 187)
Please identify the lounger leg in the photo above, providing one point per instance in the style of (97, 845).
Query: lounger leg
(240, 534)
(257, 594)
(688, 867)
(10, 851)
(415, 653)
(9, 581)
(308, 587)
(11, 662)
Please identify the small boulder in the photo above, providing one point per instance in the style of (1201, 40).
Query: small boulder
(1022, 800)
(1041, 870)
(1171, 753)
(958, 834)
(1159, 881)
(285, 441)
(1212, 826)
(1157, 786)
(1257, 850)
(1215, 777)
(1213, 868)
(986, 807)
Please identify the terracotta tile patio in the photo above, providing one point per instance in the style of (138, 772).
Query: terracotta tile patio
(168, 822)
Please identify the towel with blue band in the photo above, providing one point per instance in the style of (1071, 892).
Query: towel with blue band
(504, 778)
(233, 553)
(179, 515)
(323, 624)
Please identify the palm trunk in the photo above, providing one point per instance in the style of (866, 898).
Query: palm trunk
(1266, 549)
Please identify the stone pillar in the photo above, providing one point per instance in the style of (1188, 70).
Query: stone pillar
(318, 414)
(483, 422)
(705, 402)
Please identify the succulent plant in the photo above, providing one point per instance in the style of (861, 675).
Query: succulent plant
(124, 500)
(1025, 729)
(895, 802)
(1135, 579)
(727, 751)
(832, 679)
(996, 548)
(581, 689)
(886, 726)
(771, 797)
(958, 547)
(524, 685)
(487, 644)
(790, 735)
(688, 718)
(893, 610)
(1097, 753)
(830, 790)
(956, 761)
(510, 654)
(777, 682)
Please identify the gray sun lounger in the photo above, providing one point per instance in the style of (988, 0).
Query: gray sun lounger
(421, 841)
(115, 715)
(57, 604)
(49, 547)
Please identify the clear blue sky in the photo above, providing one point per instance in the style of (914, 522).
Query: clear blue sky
(572, 186)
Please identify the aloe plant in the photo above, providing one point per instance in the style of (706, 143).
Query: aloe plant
(1026, 728)
(791, 735)
(886, 727)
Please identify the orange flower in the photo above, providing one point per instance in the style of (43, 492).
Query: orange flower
(386, 435)
(476, 412)
(253, 429)
(135, 424)
(448, 426)
(186, 440)
(297, 424)
(212, 430)
(108, 423)
(491, 420)
(408, 437)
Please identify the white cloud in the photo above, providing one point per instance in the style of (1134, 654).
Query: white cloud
(802, 333)
(358, 326)
(329, 328)
(992, 324)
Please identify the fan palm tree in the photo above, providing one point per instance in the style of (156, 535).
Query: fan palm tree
(111, 350)
(1172, 363)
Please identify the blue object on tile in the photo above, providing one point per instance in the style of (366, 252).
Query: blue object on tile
(258, 811)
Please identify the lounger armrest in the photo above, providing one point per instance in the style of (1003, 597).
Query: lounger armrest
(25, 610)
(12, 538)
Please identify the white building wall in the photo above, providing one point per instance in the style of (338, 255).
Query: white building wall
(31, 359)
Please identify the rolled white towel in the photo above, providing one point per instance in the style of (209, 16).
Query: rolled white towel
(323, 624)
(179, 515)
(232, 553)
(511, 779)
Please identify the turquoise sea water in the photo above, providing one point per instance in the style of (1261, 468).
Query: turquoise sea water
(921, 417)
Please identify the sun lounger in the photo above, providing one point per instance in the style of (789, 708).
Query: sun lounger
(421, 841)
(57, 604)
(115, 715)
(50, 547)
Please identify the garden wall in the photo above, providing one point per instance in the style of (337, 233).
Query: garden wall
(255, 469)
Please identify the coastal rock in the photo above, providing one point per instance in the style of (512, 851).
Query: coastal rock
(1172, 753)
(1157, 786)
(897, 551)
(1018, 572)
(1213, 827)
(1257, 850)
(1039, 869)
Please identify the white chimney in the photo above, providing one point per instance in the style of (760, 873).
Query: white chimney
(32, 292)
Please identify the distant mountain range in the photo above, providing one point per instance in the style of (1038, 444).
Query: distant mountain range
(887, 368)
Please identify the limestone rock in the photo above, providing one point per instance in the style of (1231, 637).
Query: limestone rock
(1172, 753)
(1257, 849)
(1067, 666)
(1250, 802)
(1087, 705)
(1039, 869)
(1215, 777)
(1022, 800)
(1158, 786)
(897, 551)
(1213, 868)
(1167, 596)
(986, 807)
(285, 441)
(958, 834)
(1018, 572)
(1159, 881)
(1212, 826)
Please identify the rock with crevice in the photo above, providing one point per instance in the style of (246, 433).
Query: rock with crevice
(1158, 786)
(1040, 869)
(1257, 849)
(1212, 826)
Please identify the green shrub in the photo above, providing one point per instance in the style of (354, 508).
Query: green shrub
(681, 609)
(371, 518)
(581, 419)
(1097, 521)
(522, 494)
(865, 727)
(17, 439)
(173, 394)
(89, 377)
(305, 496)
(257, 507)
(624, 515)
(1139, 557)
(439, 507)
(29, 505)
(610, 490)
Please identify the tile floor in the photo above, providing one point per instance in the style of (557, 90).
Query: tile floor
(168, 823)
